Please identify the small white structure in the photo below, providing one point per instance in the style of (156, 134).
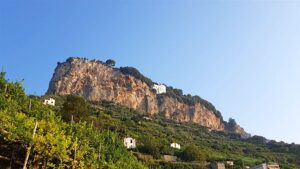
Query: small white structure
(175, 145)
(160, 88)
(49, 101)
(147, 118)
(231, 163)
(129, 142)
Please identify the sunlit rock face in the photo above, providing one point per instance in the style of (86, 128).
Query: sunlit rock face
(95, 80)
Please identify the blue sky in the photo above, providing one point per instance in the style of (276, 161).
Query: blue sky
(243, 56)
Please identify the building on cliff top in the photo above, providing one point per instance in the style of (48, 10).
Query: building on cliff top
(266, 166)
(160, 88)
(49, 101)
(129, 142)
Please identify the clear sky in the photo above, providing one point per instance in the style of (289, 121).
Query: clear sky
(243, 56)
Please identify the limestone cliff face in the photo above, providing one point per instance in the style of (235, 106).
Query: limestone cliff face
(182, 112)
(97, 81)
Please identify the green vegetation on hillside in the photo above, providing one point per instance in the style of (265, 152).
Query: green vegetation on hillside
(55, 143)
(76, 133)
(155, 133)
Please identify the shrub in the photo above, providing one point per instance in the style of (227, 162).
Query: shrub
(110, 62)
(74, 106)
(151, 146)
(192, 153)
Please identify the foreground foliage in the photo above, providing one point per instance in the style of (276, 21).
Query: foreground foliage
(55, 144)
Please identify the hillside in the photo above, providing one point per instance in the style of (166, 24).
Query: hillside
(214, 145)
(34, 136)
(126, 86)
(76, 133)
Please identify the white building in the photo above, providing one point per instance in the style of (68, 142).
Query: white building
(175, 145)
(49, 101)
(147, 118)
(160, 88)
(129, 142)
(231, 163)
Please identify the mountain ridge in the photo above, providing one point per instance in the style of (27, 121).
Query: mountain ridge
(96, 80)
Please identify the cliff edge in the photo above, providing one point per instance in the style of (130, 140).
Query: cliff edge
(126, 86)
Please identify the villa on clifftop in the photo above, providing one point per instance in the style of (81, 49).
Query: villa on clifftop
(160, 88)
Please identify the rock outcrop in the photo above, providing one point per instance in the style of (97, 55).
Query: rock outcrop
(95, 80)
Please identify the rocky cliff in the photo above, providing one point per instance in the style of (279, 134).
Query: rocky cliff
(96, 80)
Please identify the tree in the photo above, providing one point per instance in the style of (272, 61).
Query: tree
(151, 146)
(192, 153)
(110, 62)
(231, 123)
(74, 107)
(258, 139)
